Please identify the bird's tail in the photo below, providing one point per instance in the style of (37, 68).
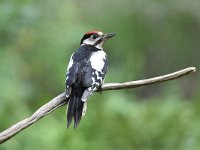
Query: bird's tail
(75, 109)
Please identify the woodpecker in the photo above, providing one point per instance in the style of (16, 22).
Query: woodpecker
(85, 73)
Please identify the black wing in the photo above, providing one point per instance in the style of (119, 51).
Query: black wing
(76, 67)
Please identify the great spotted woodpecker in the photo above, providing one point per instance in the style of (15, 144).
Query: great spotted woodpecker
(85, 73)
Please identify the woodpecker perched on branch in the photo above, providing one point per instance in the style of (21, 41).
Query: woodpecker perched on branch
(85, 73)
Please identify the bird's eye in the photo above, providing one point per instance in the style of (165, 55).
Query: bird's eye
(95, 36)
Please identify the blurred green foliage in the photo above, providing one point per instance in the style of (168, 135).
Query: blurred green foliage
(153, 38)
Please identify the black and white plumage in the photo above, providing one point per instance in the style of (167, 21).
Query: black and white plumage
(85, 73)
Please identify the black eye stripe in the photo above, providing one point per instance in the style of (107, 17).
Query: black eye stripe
(86, 36)
(98, 42)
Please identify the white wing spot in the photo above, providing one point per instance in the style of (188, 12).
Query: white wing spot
(93, 80)
(70, 63)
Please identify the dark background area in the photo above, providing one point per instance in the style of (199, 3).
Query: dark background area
(153, 38)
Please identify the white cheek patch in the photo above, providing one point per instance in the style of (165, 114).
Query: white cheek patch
(89, 41)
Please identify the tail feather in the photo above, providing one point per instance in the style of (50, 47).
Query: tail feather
(75, 109)
(70, 112)
(78, 112)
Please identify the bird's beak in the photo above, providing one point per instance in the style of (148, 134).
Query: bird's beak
(108, 35)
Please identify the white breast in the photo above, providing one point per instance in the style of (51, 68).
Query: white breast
(97, 60)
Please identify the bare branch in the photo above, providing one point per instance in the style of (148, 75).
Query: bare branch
(134, 84)
(61, 100)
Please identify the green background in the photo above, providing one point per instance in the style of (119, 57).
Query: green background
(153, 38)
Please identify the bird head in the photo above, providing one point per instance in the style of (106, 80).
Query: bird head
(96, 38)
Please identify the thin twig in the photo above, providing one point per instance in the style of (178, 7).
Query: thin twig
(61, 100)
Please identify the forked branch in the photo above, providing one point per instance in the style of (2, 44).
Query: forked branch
(61, 100)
